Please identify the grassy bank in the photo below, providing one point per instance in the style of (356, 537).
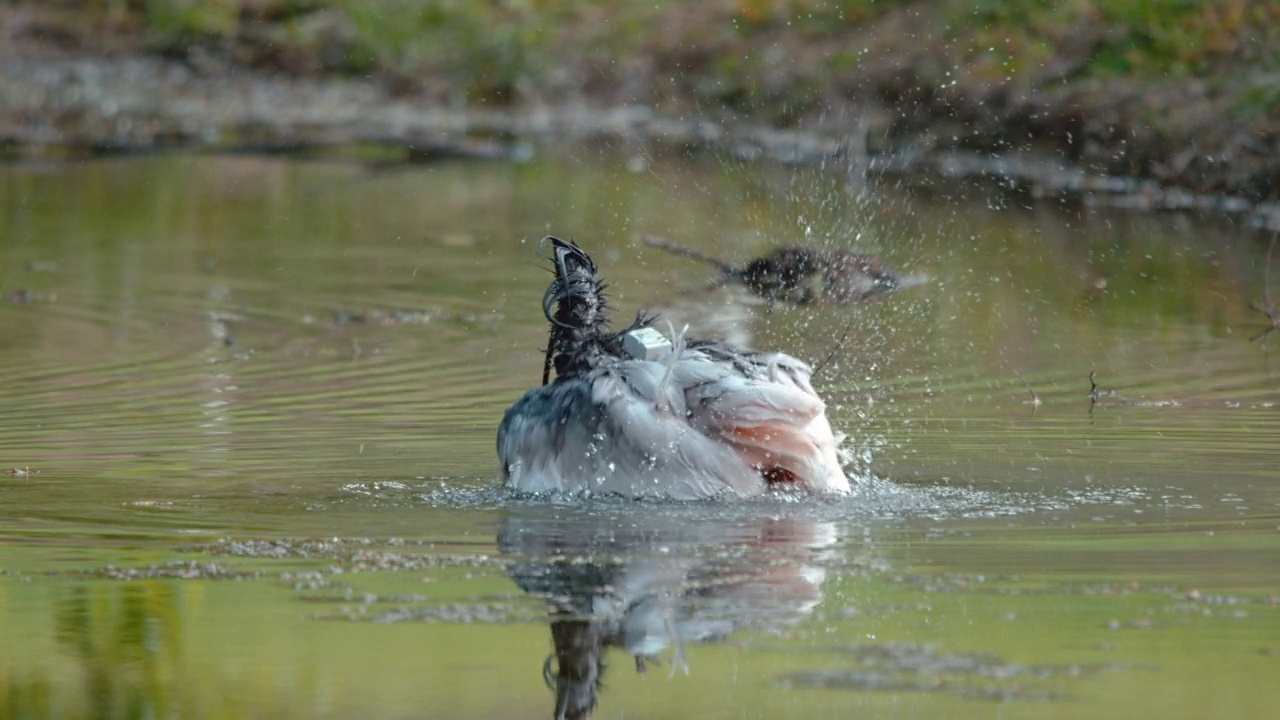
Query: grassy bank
(489, 50)
(1183, 91)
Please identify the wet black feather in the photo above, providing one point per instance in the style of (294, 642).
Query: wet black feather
(577, 307)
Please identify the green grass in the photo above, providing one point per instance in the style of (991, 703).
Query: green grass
(773, 57)
(1145, 38)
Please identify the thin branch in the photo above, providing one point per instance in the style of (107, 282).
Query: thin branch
(683, 251)
(835, 349)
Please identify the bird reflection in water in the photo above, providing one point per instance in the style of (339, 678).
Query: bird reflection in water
(648, 583)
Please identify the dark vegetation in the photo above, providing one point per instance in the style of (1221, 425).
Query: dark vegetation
(1185, 92)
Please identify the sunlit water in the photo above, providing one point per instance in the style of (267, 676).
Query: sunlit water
(247, 417)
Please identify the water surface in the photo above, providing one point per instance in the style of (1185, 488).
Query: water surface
(247, 420)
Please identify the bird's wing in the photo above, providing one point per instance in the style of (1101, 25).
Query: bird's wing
(605, 432)
(547, 424)
(765, 408)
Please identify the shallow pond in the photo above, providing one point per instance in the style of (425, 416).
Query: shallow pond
(247, 417)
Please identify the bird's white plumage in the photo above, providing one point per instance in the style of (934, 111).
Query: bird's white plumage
(717, 426)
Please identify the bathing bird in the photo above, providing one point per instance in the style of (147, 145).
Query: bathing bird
(638, 414)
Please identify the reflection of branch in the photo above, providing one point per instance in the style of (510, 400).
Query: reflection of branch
(677, 658)
(1267, 307)
(1035, 399)
(1097, 394)
(1266, 273)
(1093, 394)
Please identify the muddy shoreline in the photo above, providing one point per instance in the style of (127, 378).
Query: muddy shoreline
(56, 102)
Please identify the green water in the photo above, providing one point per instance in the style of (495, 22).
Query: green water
(249, 405)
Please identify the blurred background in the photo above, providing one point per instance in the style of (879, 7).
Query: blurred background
(1181, 91)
